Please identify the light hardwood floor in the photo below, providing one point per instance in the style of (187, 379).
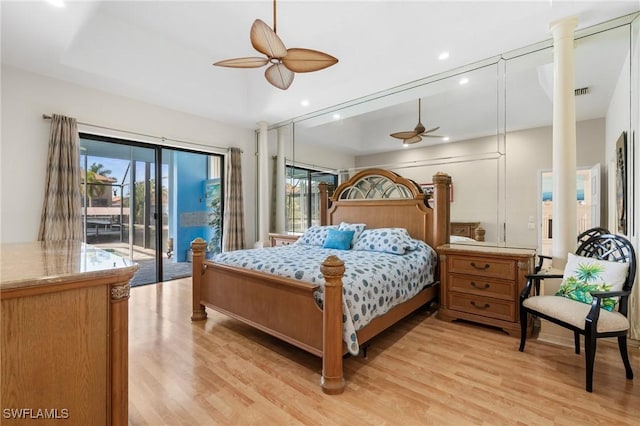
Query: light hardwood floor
(422, 371)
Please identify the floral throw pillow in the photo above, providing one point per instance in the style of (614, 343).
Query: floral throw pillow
(582, 275)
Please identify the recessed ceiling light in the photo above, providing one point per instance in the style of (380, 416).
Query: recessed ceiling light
(443, 56)
(464, 80)
(336, 116)
(56, 3)
(405, 145)
(446, 138)
(304, 102)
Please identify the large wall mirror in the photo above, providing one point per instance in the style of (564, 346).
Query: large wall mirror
(494, 133)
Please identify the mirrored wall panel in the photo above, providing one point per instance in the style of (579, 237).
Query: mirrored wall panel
(488, 125)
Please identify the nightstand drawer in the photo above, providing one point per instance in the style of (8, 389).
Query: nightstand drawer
(482, 286)
(484, 306)
(483, 266)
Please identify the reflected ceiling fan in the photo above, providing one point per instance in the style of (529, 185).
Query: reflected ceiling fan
(284, 62)
(418, 133)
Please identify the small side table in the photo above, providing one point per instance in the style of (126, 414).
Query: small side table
(282, 239)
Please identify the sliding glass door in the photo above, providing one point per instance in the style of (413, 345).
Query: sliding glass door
(302, 196)
(147, 203)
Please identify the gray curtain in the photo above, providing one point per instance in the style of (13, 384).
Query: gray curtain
(61, 217)
(233, 227)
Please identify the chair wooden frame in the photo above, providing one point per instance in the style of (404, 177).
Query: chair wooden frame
(584, 236)
(607, 247)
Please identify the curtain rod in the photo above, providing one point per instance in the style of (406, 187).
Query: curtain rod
(162, 138)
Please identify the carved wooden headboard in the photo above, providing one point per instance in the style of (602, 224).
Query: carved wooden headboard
(383, 199)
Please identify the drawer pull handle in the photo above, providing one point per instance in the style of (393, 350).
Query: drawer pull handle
(482, 268)
(484, 287)
(485, 306)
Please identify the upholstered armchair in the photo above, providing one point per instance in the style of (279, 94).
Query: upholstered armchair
(592, 300)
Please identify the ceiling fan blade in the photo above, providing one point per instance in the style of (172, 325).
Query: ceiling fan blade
(403, 135)
(430, 130)
(252, 62)
(279, 76)
(307, 60)
(266, 41)
(414, 139)
(432, 136)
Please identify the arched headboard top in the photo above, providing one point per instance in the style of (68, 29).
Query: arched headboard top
(378, 184)
(399, 204)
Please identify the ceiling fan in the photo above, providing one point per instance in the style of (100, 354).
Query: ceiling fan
(418, 133)
(284, 62)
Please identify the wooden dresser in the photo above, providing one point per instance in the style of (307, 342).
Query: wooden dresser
(482, 284)
(282, 239)
(64, 334)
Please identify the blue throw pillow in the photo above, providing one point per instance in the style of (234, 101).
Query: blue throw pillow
(340, 240)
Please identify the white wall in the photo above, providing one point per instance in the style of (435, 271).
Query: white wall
(476, 182)
(26, 96)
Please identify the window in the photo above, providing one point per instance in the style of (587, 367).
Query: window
(147, 203)
(302, 196)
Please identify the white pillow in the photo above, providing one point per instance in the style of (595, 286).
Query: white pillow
(386, 240)
(357, 229)
(585, 274)
(315, 235)
(453, 239)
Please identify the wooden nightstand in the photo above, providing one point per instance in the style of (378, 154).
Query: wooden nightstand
(483, 284)
(282, 239)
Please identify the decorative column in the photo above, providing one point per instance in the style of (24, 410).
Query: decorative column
(263, 185)
(280, 181)
(564, 226)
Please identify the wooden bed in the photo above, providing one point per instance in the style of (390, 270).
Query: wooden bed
(285, 308)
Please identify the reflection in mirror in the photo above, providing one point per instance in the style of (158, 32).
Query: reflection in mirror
(464, 105)
(496, 117)
(601, 91)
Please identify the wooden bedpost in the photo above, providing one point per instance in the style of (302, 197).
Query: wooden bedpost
(442, 212)
(332, 378)
(324, 202)
(198, 247)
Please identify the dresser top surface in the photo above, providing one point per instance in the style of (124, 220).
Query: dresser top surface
(472, 249)
(50, 262)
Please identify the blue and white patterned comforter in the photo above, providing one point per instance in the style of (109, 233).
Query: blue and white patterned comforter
(373, 283)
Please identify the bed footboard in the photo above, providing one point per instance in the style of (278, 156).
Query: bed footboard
(283, 307)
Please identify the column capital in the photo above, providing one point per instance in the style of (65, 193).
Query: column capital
(563, 27)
